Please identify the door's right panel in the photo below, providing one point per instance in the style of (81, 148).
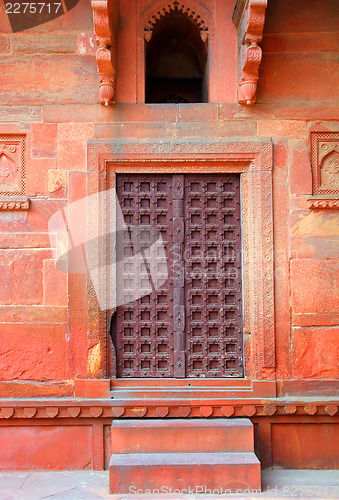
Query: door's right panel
(212, 256)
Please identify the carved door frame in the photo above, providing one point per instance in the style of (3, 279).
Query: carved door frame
(253, 160)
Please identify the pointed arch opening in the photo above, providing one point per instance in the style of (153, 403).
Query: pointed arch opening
(175, 59)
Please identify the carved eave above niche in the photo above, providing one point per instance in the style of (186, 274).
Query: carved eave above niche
(249, 19)
(106, 21)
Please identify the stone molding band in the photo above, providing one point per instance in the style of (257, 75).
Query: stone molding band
(97, 409)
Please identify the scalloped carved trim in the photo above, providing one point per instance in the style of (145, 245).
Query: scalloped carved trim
(9, 204)
(259, 408)
(179, 7)
(106, 20)
(250, 18)
(324, 203)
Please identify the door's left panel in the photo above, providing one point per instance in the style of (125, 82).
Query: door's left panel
(144, 318)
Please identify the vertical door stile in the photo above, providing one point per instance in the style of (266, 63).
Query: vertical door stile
(178, 276)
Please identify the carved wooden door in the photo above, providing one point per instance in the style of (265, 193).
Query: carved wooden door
(179, 276)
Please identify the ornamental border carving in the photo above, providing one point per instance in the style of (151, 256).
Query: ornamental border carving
(29, 411)
(176, 5)
(253, 160)
(7, 204)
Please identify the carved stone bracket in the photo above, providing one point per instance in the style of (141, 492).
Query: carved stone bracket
(249, 18)
(106, 20)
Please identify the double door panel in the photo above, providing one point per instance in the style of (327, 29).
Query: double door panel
(179, 276)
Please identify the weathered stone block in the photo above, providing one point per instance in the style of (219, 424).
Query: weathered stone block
(24, 240)
(54, 285)
(44, 140)
(75, 130)
(33, 351)
(313, 247)
(290, 129)
(315, 353)
(33, 314)
(280, 154)
(307, 445)
(5, 45)
(44, 43)
(20, 114)
(315, 286)
(300, 168)
(21, 276)
(304, 84)
(72, 154)
(36, 219)
(314, 223)
(61, 79)
(57, 181)
(37, 175)
(46, 447)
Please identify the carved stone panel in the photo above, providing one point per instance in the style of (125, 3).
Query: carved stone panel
(325, 170)
(12, 165)
(325, 163)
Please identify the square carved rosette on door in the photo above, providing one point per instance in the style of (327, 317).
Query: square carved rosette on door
(253, 161)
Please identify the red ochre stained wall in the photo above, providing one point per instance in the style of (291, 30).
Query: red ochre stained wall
(49, 94)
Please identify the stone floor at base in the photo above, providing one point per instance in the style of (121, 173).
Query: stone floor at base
(89, 485)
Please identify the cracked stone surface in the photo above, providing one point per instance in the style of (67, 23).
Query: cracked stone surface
(90, 485)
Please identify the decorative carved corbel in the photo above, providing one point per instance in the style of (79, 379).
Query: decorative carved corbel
(249, 18)
(106, 20)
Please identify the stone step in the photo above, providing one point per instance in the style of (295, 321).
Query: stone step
(182, 436)
(176, 389)
(185, 382)
(185, 472)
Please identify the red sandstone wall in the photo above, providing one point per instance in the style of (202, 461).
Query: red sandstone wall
(49, 92)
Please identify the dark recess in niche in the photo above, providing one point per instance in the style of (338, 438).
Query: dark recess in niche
(176, 61)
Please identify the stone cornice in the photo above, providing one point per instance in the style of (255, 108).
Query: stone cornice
(94, 408)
